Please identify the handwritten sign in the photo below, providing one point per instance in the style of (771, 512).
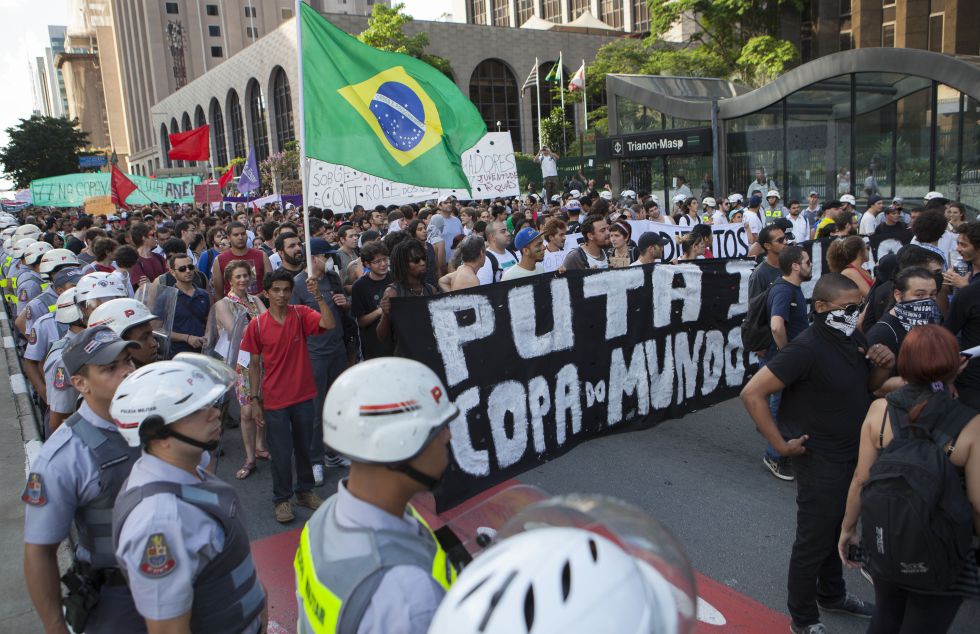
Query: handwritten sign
(489, 164)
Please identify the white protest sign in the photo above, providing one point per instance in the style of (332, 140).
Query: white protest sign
(728, 239)
(490, 166)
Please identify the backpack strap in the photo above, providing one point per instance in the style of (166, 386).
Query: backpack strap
(881, 433)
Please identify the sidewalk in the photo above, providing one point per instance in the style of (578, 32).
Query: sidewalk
(17, 438)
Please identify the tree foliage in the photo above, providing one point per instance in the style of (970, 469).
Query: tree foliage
(40, 147)
(386, 32)
(551, 131)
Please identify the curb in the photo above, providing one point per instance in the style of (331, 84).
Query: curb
(26, 413)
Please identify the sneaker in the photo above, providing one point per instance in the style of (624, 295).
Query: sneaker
(284, 512)
(334, 461)
(309, 499)
(850, 604)
(779, 468)
(318, 475)
(815, 628)
(867, 575)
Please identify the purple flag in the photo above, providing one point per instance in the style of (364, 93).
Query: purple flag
(249, 180)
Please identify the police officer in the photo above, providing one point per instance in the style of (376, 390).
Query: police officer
(62, 396)
(131, 320)
(177, 530)
(97, 288)
(772, 208)
(29, 281)
(367, 562)
(52, 263)
(17, 267)
(75, 479)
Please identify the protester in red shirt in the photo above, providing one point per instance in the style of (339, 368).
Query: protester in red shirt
(284, 404)
(238, 238)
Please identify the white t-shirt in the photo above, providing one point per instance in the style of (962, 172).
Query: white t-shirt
(549, 166)
(868, 224)
(753, 221)
(505, 260)
(553, 260)
(517, 271)
(719, 218)
(801, 228)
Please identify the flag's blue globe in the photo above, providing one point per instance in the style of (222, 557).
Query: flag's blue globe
(400, 114)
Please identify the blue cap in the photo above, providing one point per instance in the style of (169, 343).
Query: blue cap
(755, 201)
(524, 237)
(319, 246)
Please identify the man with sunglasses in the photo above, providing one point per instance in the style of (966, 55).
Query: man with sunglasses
(827, 375)
(192, 307)
(772, 240)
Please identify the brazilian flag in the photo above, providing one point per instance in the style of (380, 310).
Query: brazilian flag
(385, 114)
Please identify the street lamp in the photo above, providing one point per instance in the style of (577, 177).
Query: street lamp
(498, 126)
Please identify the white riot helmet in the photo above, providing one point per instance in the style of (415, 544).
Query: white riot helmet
(67, 311)
(34, 252)
(120, 315)
(20, 246)
(28, 231)
(55, 258)
(7, 222)
(385, 411)
(99, 285)
(149, 400)
(585, 563)
(8, 232)
(8, 243)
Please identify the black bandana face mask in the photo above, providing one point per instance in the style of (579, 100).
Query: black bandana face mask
(841, 320)
(918, 313)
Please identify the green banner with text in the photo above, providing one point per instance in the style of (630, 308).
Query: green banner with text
(71, 190)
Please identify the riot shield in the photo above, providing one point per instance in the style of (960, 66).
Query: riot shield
(223, 342)
(161, 301)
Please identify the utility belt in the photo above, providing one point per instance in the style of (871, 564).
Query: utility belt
(84, 585)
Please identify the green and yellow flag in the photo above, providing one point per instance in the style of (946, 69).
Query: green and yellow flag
(386, 114)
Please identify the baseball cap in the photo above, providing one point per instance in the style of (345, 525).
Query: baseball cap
(731, 214)
(573, 205)
(847, 198)
(94, 346)
(932, 195)
(290, 206)
(709, 202)
(649, 239)
(67, 276)
(605, 195)
(628, 193)
(813, 192)
(734, 198)
(556, 198)
(872, 199)
(445, 198)
(679, 198)
(755, 201)
(898, 199)
(575, 193)
(525, 237)
(319, 246)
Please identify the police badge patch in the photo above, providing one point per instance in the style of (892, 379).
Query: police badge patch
(60, 378)
(27, 313)
(34, 491)
(23, 295)
(157, 560)
(32, 336)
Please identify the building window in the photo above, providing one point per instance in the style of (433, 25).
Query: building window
(250, 12)
(217, 52)
(165, 144)
(172, 8)
(936, 33)
(551, 10)
(845, 7)
(612, 13)
(494, 92)
(237, 126)
(888, 3)
(846, 41)
(282, 102)
(214, 30)
(478, 9)
(218, 132)
(576, 7)
(211, 9)
(888, 35)
(252, 32)
(525, 9)
(641, 16)
(260, 130)
(285, 14)
(501, 12)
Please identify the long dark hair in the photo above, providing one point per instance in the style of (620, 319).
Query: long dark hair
(400, 255)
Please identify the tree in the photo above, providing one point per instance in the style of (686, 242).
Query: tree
(386, 32)
(551, 130)
(40, 147)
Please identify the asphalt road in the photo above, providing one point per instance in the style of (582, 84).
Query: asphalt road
(702, 476)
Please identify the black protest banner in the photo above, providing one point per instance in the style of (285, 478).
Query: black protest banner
(879, 247)
(541, 364)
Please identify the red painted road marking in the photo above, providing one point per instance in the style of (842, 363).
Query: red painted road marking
(274, 560)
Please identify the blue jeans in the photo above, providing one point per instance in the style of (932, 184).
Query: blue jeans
(289, 433)
(325, 372)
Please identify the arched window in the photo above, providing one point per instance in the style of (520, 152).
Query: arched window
(185, 122)
(174, 129)
(237, 126)
(283, 104)
(257, 123)
(164, 144)
(494, 92)
(199, 118)
(218, 134)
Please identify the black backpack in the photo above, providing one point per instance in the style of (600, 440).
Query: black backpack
(756, 332)
(916, 521)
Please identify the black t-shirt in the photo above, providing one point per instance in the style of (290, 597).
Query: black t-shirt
(964, 320)
(884, 229)
(887, 331)
(763, 275)
(366, 295)
(826, 395)
(74, 245)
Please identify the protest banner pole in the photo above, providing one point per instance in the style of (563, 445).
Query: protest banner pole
(304, 163)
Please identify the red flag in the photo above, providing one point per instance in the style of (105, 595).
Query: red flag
(193, 145)
(226, 178)
(120, 187)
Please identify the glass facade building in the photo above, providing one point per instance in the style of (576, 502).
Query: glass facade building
(870, 121)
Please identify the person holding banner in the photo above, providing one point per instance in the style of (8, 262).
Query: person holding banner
(651, 248)
(591, 254)
(530, 243)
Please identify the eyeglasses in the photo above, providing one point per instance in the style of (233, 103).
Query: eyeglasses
(849, 309)
(185, 268)
(378, 261)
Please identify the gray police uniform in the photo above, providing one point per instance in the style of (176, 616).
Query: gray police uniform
(62, 395)
(13, 272)
(46, 302)
(41, 335)
(182, 544)
(75, 478)
(29, 284)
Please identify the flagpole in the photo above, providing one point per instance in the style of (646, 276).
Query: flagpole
(585, 97)
(304, 163)
(561, 87)
(537, 86)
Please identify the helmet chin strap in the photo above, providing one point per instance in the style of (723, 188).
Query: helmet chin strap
(425, 480)
(211, 445)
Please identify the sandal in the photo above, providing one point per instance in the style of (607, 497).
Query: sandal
(262, 454)
(247, 469)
